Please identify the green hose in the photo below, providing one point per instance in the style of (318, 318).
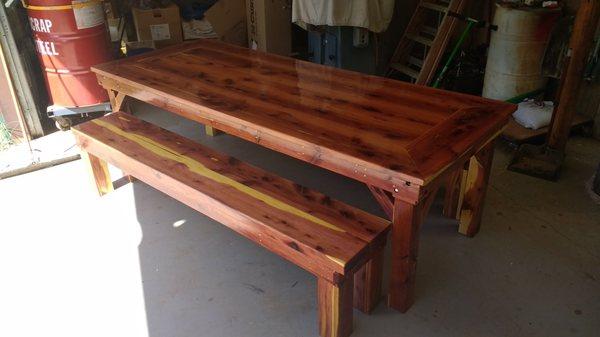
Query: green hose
(463, 36)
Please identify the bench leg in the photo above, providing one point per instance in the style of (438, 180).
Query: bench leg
(475, 187)
(335, 307)
(367, 283)
(99, 172)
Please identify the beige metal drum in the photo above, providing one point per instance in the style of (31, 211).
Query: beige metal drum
(514, 64)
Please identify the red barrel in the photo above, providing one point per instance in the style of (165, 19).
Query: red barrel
(70, 37)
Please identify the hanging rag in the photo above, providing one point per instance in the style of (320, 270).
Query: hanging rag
(374, 15)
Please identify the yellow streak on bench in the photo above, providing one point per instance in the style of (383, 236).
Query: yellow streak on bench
(336, 260)
(335, 315)
(200, 169)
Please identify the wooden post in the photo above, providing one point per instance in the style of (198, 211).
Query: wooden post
(335, 307)
(471, 207)
(367, 283)
(406, 221)
(455, 187)
(579, 46)
(98, 172)
(405, 244)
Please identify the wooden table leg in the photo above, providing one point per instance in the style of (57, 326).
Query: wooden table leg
(405, 241)
(454, 193)
(406, 221)
(476, 181)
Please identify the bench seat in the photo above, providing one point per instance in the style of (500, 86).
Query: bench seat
(326, 237)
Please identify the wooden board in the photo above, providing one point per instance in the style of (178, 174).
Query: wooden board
(516, 133)
(388, 134)
(321, 235)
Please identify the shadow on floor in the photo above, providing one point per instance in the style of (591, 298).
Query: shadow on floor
(202, 279)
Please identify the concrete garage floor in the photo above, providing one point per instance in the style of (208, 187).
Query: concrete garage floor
(137, 263)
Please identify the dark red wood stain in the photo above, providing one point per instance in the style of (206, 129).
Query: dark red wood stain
(376, 130)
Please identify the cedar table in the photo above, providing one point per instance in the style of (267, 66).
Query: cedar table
(402, 140)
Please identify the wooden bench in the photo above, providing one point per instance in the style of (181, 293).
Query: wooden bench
(339, 244)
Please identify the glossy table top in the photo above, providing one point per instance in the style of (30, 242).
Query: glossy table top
(380, 131)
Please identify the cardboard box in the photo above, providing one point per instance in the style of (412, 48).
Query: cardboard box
(270, 25)
(225, 21)
(161, 25)
(228, 19)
